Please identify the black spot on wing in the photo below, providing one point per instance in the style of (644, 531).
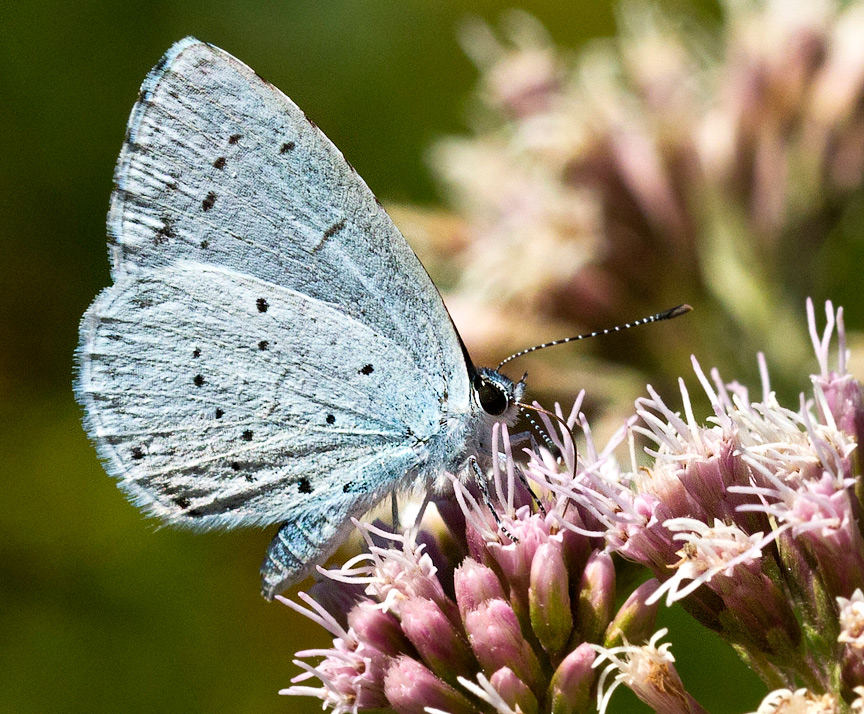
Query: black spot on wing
(234, 138)
(196, 352)
(183, 502)
(219, 413)
(346, 487)
(205, 244)
(286, 147)
(303, 486)
(329, 233)
(366, 369)
(137, 453)
(164, 233)
(247, 435)
(209, 201)
(235, 466)
(262, 304)
(263, 345)
(198, 380)
(334, 229)
(219, 163)
(331, 419)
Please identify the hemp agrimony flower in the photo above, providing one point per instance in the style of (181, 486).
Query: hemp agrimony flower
(751, 521)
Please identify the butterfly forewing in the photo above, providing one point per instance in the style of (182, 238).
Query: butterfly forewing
(221, 168)
(271, 348)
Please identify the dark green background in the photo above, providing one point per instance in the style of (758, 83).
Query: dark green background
(99, 611)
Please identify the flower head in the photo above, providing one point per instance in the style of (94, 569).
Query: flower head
(512, 624)
(506, 601)
(675, 161)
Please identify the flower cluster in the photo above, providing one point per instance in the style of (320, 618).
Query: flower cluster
(670, 164)
(752, 521)
(495, 612)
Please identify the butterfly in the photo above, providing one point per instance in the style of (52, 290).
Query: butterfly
(271, 350)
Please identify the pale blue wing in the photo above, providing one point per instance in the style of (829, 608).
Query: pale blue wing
(218, 399)
(302, 543)
(271, 348)
(219, 167)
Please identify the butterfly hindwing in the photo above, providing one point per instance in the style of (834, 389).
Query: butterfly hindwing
(208, 398)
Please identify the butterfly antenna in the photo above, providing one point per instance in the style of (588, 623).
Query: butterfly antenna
(565, 428)
(541, 432)
(666, 315)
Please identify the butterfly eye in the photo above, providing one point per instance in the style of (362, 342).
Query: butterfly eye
(492, 399)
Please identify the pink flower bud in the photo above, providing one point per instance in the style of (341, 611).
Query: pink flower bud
(549, 597)
(378, 628)
(497, 641)
(410, 687)
(570, 689)
(635, 620)
(596, 597)
(515, 559)
(437, 641)
(514, 691)
(474, 585)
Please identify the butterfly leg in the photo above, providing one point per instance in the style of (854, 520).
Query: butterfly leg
(520, 439)
(555, 451)
(394, 512)
(422, 511)
(487, 498)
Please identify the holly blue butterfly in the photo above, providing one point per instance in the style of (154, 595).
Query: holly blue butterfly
(271, 350)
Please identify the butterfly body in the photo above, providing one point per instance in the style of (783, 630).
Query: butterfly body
(271, 349)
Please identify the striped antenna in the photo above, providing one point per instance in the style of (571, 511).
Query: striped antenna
(666, 315)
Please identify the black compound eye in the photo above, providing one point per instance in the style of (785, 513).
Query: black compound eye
(492, 399)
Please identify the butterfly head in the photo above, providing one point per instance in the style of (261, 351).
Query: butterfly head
(496, 395)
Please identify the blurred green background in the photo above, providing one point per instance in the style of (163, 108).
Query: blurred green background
(99, 610)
